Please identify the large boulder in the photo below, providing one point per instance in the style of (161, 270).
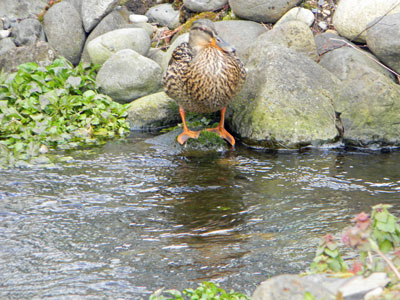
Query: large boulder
(267, 11)
(94, 10)
(6, 45)
(127, 75)
(383, 39)
(41, 53)
(27, 32)
(370, 99)
(204, 5)
(352, 16)
(63, 27)
(102, 47)
(292, 34)
(152, 112)
(286, 102)
(22, 9)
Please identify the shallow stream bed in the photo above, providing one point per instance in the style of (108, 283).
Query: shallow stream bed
(123, 220)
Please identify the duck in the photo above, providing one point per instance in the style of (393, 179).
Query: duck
(202, 76)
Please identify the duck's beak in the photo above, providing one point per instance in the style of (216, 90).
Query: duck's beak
(224, 46)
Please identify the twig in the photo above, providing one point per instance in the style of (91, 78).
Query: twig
(389, 262)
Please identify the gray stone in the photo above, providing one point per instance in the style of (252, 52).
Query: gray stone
(76, 3)
(1, 24)
(127, 75)
(352, 16)
(22, 9)
(267, 11)
(292, 34)
(102, 47)
(383, 39)
(6, 45)
(240, 34)
(9, 22)
(27, 32)
(138, 18)
(40, 53)
(204, 5)
(63, 27)
(94, 10)
(114, 20)
(152, 112)
(163, 14)
(4, 34)
(157, 55)
(298, 14)
(329, 41)
(369, 100)
(286, 102)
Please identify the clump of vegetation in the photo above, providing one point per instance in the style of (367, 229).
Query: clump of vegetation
(54, 107)
(205, 291)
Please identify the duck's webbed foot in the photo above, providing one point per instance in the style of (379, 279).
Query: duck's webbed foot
(187, 134)
(221, 131)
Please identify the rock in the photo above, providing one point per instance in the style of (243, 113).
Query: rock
(9, 22)
(22, 9)
(267, 11)
(153, 112)
(27, 32)
(94, 10)
(127, 75)
(40, 53)
(164, 14)
(352, 16)
(114, 20)
(329, 41)
(240, 34)
(138, 18)
(292, 34)
(157, 55)
(204, 5)
(320, 286)
(4, 34)
(140, 7)
(298, 14)
(383, 39)
(369, 100)
(6, 45)
(63, 27)
(286, 102)
(102, 47)
(76, 3)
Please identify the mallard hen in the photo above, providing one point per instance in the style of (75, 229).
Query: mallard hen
(203, 76)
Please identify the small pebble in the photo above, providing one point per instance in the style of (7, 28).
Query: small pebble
(4, 34)
(326, 12)
(323, 25)
(138, 18)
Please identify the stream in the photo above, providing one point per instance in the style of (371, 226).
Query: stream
(123, 220)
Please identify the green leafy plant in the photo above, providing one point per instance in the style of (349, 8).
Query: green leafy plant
(205, 291)
(54, 107)
(386, 230)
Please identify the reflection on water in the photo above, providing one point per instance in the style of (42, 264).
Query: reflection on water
(121, 221)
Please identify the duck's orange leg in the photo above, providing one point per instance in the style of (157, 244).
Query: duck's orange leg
(221, 130)
(187, 133)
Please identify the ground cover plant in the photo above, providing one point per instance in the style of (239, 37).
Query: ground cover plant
(54, 107)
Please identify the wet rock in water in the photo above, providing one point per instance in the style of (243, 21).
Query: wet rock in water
(204, 5)
(369, 103)
(93, 11)
(6, 45)
(27, 32)
(320, 286)
(352, 16)
(292, 34)
(41, 53)
(298, 14)
(240, 34)
(63, 27)
(383, 39)
(103, 47)
(286, 102)
(164, 14)
(152, 112)
(21, 9)
(267, 11)
(127, 75)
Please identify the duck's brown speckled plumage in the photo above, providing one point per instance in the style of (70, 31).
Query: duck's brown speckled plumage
(204, 80)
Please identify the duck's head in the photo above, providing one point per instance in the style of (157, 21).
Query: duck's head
(203, 35)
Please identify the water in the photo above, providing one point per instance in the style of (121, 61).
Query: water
(121, 221)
